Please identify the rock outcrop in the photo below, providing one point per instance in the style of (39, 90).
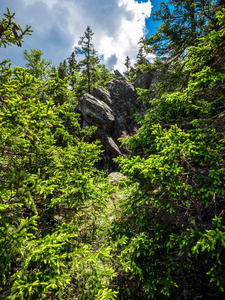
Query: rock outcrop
(147, 81)
(96, 112)
(112, 111)
(144, 81)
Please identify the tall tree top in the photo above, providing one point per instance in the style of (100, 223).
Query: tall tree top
(85, 43)
(87, 65)
(183, 23)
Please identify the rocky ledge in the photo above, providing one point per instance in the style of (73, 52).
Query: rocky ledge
(112, 112)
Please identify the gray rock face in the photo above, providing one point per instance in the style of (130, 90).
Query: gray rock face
(155, 80)
(112, 112)
(125, 104)
(144, 81)
(102, 95)
(96, 112)
(148, 81)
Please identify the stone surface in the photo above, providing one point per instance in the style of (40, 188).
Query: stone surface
(103, 95)
(155, 80)
(115, 177)
(96, 112)
(112, 111)
(144, 81)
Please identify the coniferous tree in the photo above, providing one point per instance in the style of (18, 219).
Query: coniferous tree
(170, 223)
(10, 32)
(103, 75)
(38, 66)
(183, 23)
(63, 69)
(141, 66)
(46, 175)
(141, 57)
(49, 189)
(86, 48)
(127, 64)
(72, 67)
(71, 63)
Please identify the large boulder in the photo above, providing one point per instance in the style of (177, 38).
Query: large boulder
(148, 81)
(103, 95)
(125, 104)
(112, 111)
(96, 112)
(144, 81)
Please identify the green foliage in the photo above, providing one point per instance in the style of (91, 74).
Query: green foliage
(64, 229)
(142, 65)
(73, 68)
(10, 32)
(38, 66)
(140, 69)
(127, 64)
(103, 76)
(141, 57)
(52, 198)
(183, 23)
(63, 69)
(88, 72)
(168, 233)
(89, 62)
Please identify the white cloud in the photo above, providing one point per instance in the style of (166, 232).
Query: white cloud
(123, 39)
(49, 3)
(118, 26)
(131, 29)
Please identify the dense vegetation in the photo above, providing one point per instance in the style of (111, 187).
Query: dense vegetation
(65, 231)
(51, 195)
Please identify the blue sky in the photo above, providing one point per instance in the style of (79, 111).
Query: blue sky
(118, 25)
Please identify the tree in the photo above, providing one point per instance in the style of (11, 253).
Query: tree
(169, 228)
(72, 68)
(48, 218)
(127, 65)
(90, 60)
(141, 57)
(63, 69)
(10, 32)
(141, 66)
(72, 63)
(183, 24)
(103, 75)
(52, 197)
(38, 66)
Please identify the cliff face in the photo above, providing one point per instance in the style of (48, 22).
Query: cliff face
(112, 111)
